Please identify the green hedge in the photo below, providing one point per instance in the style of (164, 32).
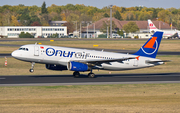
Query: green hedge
(25, 35)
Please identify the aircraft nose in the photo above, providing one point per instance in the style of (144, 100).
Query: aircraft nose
(14, 54)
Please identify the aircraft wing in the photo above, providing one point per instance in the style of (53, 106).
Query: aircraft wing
(94, 62)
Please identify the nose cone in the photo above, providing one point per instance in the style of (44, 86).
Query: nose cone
(14, 54)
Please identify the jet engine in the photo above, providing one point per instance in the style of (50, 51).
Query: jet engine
(77, 66)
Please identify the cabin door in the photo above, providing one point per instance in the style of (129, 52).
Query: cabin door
(136, 62)
(36, 50)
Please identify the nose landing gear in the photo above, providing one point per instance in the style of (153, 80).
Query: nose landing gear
(32, 67)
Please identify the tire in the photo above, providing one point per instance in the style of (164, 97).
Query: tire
(91, 75)
(31, 70)
(76, 74)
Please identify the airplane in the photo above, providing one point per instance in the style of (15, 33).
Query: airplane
(167, 33)
(81, 60)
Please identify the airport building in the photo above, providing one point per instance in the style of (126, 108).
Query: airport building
(143, 32)
(36, 31)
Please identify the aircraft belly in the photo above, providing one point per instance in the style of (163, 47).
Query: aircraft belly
(118, 66)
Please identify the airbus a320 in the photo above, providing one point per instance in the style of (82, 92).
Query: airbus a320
(81, 60)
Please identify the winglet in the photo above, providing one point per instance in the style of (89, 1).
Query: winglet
(150, 48)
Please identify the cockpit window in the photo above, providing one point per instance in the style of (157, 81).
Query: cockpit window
(24, 49)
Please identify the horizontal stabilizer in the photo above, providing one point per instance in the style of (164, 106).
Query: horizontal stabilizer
(153, 62)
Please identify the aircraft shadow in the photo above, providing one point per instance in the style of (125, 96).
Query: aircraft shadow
(110, 75)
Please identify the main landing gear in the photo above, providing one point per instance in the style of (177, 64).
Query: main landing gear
(91, 75)
(32, 67)
(76, 74)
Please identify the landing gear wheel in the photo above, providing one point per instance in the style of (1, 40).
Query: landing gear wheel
(31, 70)
(76, 74)
(32, 67)
(91, 75)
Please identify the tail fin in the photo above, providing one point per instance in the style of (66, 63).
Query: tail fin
(150, 48)
(152, 27)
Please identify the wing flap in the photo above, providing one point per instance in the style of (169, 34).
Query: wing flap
(93, 62)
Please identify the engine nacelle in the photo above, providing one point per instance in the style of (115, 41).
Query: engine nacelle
(77, 66)
(55, 67)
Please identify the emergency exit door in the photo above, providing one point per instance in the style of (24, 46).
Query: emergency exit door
(36, 51)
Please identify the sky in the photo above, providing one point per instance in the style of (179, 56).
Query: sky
(98, 3)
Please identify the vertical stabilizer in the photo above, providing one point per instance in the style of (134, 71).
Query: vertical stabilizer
(152, 27)
(150, 48)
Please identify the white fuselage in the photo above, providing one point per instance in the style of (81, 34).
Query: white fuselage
(168, 33)
(62, 55)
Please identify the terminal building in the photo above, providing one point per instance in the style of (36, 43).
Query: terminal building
(36, 31)
(143, 32)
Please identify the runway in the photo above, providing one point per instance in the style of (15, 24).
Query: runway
(53, 80)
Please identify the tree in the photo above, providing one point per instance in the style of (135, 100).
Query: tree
(154, 15)
(131, 17)
(121, 33)
(123, 9)
(14, 21)
(6, 18)
(118, 32)
(24, 17)
(44, 19)
(29, 14)
(97, 16)
(127, 18)
(63, 16)
(55, 16)
(118, 16)
(35, 18)
(54, 8)
(44, 9)
(106, 24)
(25, 35)
(72, 17)
(164, 15)
(106, 15)
(70, 27)
(130, 27)
(36, 23)
(55, 36)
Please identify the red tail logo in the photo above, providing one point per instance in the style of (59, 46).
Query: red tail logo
(151, 42)
(151, 25)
